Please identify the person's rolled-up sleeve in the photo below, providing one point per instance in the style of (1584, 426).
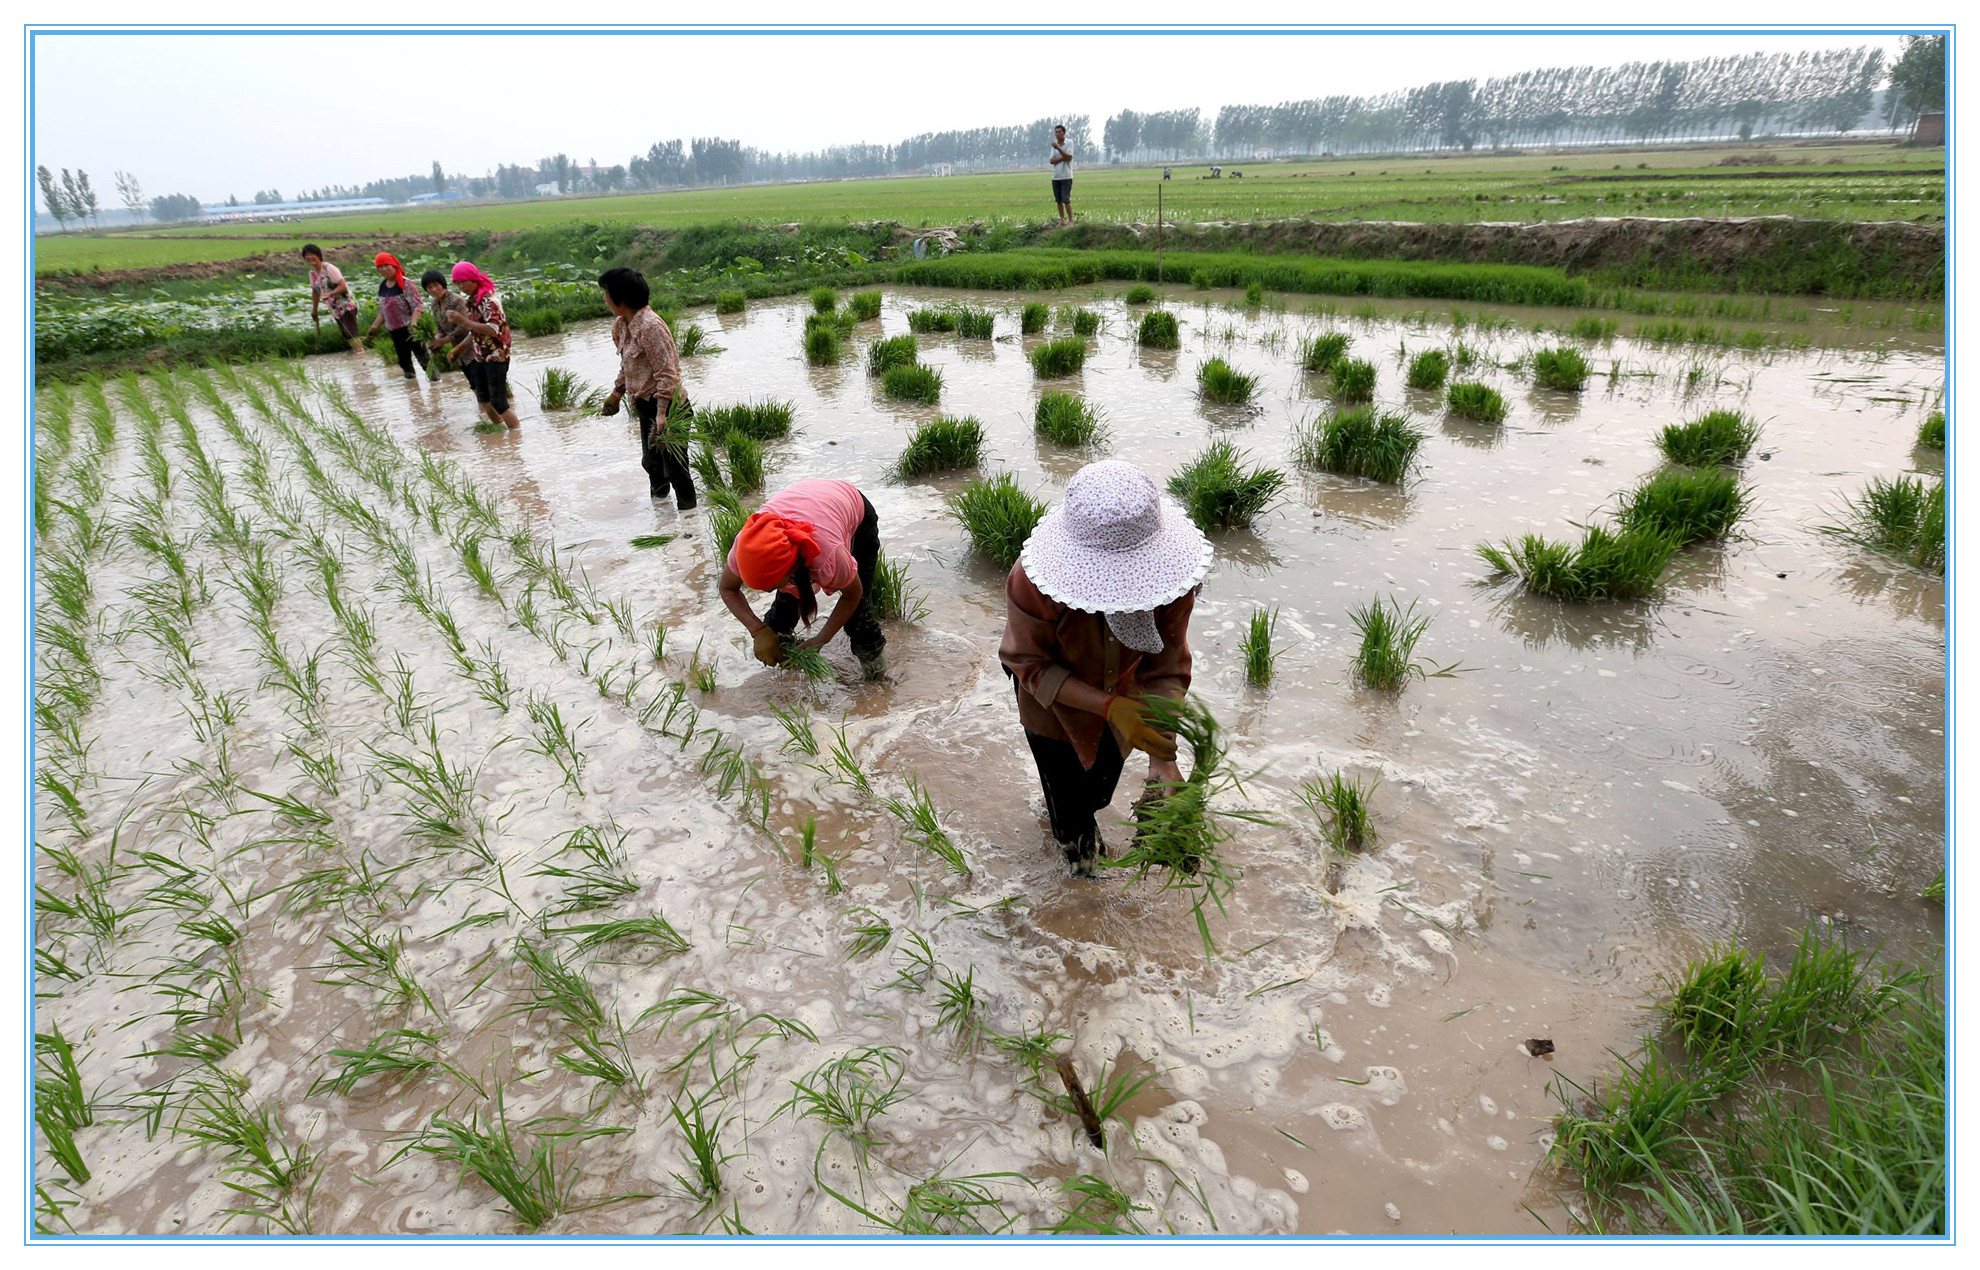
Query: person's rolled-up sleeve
(1031, 640)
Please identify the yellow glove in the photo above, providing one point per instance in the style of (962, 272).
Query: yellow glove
(770, 649)
(1131, 725)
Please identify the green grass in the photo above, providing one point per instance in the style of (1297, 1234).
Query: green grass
(1033, 317)
(1055, 359)
(1562, 368)
(822, 345)
(1341, 804)
(1351, 379)
(1901, 516)
(1319, 352)
(1256, 650)
(1932, 432)
(884, 355)
(931, 321)
(1220, 492)
(1719, 437)
(1429, 369)
(975, 324)
(1140, 293)
(1605, 565)
(731, 301)
(864, 306)
(1386, 657)
(1158, 329)
(1358, 442)
(912, 382)
(824, 299)
(998, 516)
(1067, 420)
(941, 445)
(1218, 382)
(1475, 401)
(1686, 504)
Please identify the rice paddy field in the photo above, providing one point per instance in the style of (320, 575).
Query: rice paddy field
(465, 874)
(1832, 181)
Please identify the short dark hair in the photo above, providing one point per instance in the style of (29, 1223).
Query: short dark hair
(432, 276)
(311, 249)
(626, 286)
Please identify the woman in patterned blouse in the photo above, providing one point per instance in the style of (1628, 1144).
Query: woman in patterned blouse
(327, 286)
(398, 309)
(488, 332)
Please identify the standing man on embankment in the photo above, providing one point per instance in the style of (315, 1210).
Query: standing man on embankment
(1062, 164)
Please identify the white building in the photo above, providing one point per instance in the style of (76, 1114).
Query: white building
(548, 189)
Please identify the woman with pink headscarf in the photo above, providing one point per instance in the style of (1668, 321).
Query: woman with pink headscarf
(488, 329)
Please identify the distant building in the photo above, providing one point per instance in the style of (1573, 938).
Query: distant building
(1931, 129)
(1262, 152)
(444, 196)
(266, 211)
(945, 169)
(548, 189)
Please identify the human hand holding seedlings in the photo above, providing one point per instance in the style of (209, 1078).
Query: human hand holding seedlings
(611, 406)
(1130, 722)
(769, 645)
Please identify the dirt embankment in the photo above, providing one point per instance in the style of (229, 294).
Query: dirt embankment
(356, 252)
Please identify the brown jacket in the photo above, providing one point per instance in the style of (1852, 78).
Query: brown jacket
(1046, 643)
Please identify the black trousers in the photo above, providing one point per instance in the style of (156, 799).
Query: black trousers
(1074, 793)
(864, 628)
(407, 348)
(665, 463)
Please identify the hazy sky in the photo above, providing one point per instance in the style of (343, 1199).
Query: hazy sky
(211, 115)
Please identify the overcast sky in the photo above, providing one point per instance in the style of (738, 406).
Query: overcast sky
(213, 115)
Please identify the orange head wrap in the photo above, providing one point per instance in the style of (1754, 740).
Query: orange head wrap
(398, 270)
(768, 546)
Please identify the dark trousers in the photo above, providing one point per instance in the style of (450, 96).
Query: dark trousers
(664, 460)
(864, 629)
(1073, 791)
(407, 348)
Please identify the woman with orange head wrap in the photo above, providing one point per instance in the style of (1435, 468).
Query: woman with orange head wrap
(809, 537)
(398, 309)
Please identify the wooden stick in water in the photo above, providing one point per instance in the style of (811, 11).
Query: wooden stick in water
(1094, 1133)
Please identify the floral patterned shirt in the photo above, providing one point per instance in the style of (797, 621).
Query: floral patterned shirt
(447, 312)
(488, 310)
(649, 364)
(323, 280)
(399, 306)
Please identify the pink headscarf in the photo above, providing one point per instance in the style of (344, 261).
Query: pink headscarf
(466, 272)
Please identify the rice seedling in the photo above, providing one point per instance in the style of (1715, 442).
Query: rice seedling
(975, 324)
(884, 355)
(557, 989)
(864, 306)
(1218, 382)
(1340, 804)
(708, 468)
(1220, 492)
(1605, 565)
(270, 1169)
(1903, 516)
(745, 463)
(1098, 1208)
(917, 964)
(1686, 505)
(560, 389)
(998, 515)
(848, 1093)
(941, 445)
(923, 824)
(1429, 369)
(1033, 317)
(89, 902)
(725, 517)
(824, 299)
(1254, 294)
(1081, 322)
(654, 932)
(705, 1156)
(730, 301)
(1932, 432)
(894, 600)
(1717, 1003)
(1351, 379)
(1068, 420)
(1472, 400)
(599, 882)
(1108, 1098)
(1318, 352)
(534, 322)
(806, 660)
(930, 321)
(957, 1010)
(912, 382)
(1256, 650)
(798, 736)
(1058, 358)
(375, 964)
(398, 1054)
(693, 341)
(1389, 634)
(556, 739)
(822, 346)
(439, 794)
(1721, 437)
(1158, 329)
(1614, 1133)
(844, 764)
(61, 1105)
(1562, 368)
(955, 1206)
(523, 1172)
(1358, 442)
(870, 936)
(766, 420)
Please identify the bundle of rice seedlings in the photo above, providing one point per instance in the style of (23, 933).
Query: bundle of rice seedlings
(1594, 328)
(822, 346)
(1034, 316)
(1318, 353)
(1254, 294)
(1472, 400)
(912, 382)
(941, 445)
(1256, 651)
(559, 389)
(1563, 368)
(883, 355)
(893, 599)
(1058, 358)
(863, 305)
(1351, 379)
(824, 299)
(538, 321)
(1905, 517)
(1140, 293)
(1159, 330)
(725, 516)
(1605, 565)
(998, 515)
(745, 463)
(1201, 279)
(707, 468)
(1340, 803)
(1720, 437)
(761, 420)
(1932, 433)
(1357, 442)
(975, 324)
(1078, 321)
(1220, 492)
(807, 661)
(1218, 382)
(731, 302)
(693, 341)
(1429, 369)
(1067, 420)
(932, 320)
(1387, 656)
(1686, 504)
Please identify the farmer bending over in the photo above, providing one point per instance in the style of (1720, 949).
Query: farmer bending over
(809, 537)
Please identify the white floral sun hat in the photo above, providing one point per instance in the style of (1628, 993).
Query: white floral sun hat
(1115, 544)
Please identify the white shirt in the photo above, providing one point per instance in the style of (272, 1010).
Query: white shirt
(1061, 171)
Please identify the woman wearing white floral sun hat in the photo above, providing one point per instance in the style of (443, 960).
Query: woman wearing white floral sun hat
(1096, 617)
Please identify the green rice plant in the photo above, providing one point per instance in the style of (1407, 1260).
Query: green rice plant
(693, 341)
(955, 1206)
(1254, 294)
(1140, 293)
(560, 389)
(745, 463)
(1827, 991)
(1124, 1078)
(1058, 358)
(998, 516)
(1903, 517)
(1594, 328)
(796, 722)
(1605, 565)
(264, 1165)
(844, 764)
(893, 599)
(870, 936)
(1472, 400)
(1932, 432)
(758, 420)
(539, 321)
(1257, 652)
(1721, 437)
(1621, 1129)
(975, 324)
(806, 660)
(394, 1055)
(518, 1163)
(1717, 1003)
(1318, 352)
(913, 382)
(556, 989)
(599, 882)
(1351, 379)
(1340, 803)
(1686, 504)
(864, 305)
(703, 1135)
(1429, 369)
(1562, 368)
(1201, 279)
(556, 739)
(929, 321)
(1218, 382)
(375, 964)
(1358, 442)
(824, 299)
(957, 1009)
(822, 346)
(941, 445)
(1158, 329)
(883, 355)
(848, 1093)
(923, 825)
(725, 517)
(1220, 492)
(1034, 316)
(61, 1105)
(653, 931)
(730, 301)
(1067, 420)
(1389, 634)
(1098, 1208)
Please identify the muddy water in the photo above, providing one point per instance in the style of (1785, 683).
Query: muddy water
(1591, 796)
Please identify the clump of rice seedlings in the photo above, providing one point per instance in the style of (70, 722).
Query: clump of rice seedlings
(1685, 504)
(557, 739)
(643, 541)
(1389, 634)
(1594, 328)
(759, 420)
(1319, 352)
(1067, 420)
(1932, 432)
(1084, 322)
(913, 382)
(1340, 803)
(923, 824)
(1718, 438)
(1034, 316)
(805, 659)
(730, 301)
(1358, 442)
(1605, 565)
(524, 1172)
(705, 1156)
(954, 1206)
(893, 599)
(653, 931)
(929, 321)
(725, 516)
(824, 299)
(1351, 379)
(1616, 1133)
(957, 1009)
(870, 936)
(1429, 369)
(1254, 294)
(1218, 382)
(1098, 1208)
(560, 389)
(975, 324)
(822, 346)
(376, 964)
(1220, 492)
(1717, 1002)
(1473, 400)
(396, 1054)
(843, 765)
(941, 445)
(863, 305)
(557, 989)
(850, 1092)
(1905, 517)
(61, 1106)
(745, 463)
(267, 1167)
(1562, 368)
(1158, 329)
(539, 322)
(998, 515)
(693, 341)
(1058, 358)
(1140, 293)
(796, 722)
(1256, 650)
(883, 355)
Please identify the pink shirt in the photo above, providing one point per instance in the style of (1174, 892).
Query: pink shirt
(834, 509)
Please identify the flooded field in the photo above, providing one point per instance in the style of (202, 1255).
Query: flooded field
(360, 768)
